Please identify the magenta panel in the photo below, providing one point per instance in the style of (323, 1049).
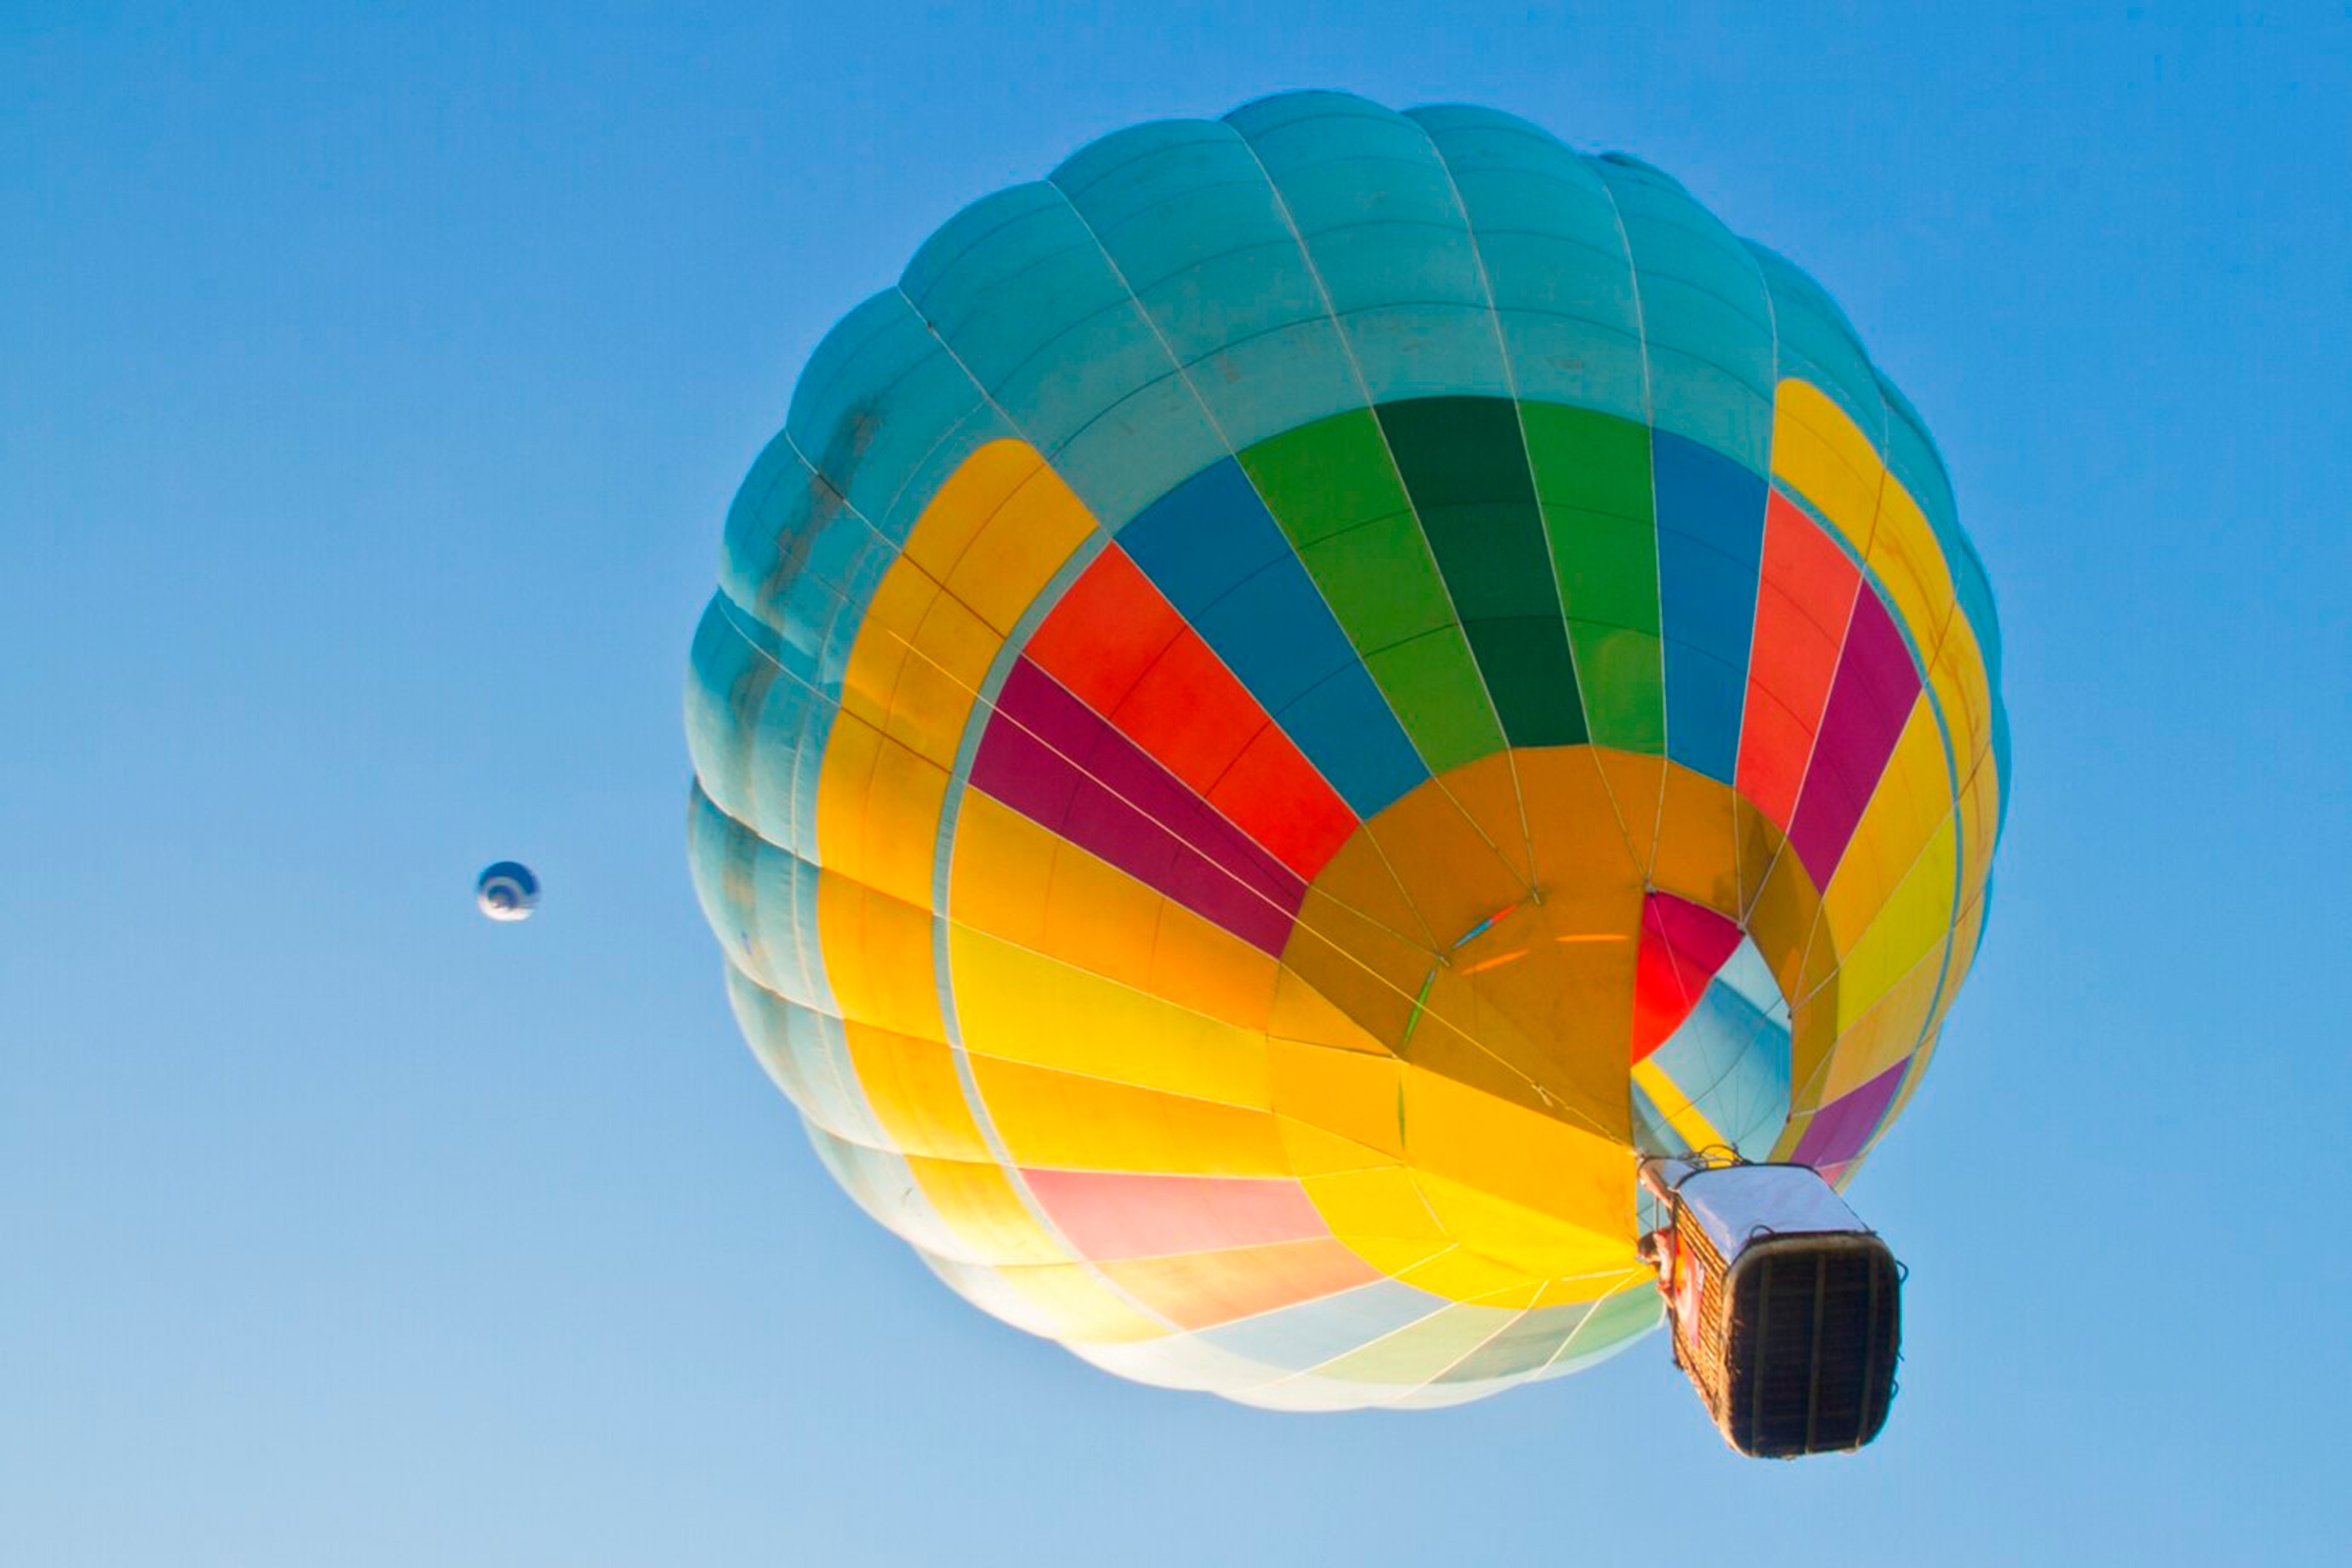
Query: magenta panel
(1869, 702)
(1840, 1129)
(1052, 759)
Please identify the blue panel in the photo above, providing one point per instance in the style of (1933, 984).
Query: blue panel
(1710, 547)
(1215, 550)
(1202, 537)
(1348, 730)
(1273, 629)
(1732, 1058)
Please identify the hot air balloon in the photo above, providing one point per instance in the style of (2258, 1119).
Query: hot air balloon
(1329, 733)
(506, 891)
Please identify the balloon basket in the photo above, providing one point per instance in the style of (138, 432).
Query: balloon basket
(1785, 1310)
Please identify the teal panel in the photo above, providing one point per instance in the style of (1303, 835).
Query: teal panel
(1706, 322)
(1555, 262)
(1187, 214)
(1376, 208)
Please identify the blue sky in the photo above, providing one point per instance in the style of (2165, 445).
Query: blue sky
(375, 386)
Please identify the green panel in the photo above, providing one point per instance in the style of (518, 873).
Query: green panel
(1380, 573)
(1424, 681)
(1625, 685)
(1608, 567)
(1331, 487)
(1583, 458)
(1325, 476)
(1593, 472)
(1532, 677)
(1466, 470)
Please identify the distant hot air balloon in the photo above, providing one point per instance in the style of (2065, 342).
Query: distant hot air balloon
(506, 891)
(1306, 700)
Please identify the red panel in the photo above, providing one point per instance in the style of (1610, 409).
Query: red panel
(1122, 650)
(1108, 629)
(1273, 794)
(1802, 607)
(1113, 1215)
(1683, 945)
(1201, 1289)
(1189, 712)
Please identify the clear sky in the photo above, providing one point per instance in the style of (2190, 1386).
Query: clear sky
(372, 384)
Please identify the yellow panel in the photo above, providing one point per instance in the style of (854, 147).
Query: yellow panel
(1314, 1151)
(877, 812)
(1536, 1243)
(993, 885)
(1913, 797)
(1827, 459)
(878, 956)
(1536, 1161)
(1302, 1013)
(1021, 547)
(1689, 1122)
(1957, 673)
(1021, 1005)
(1381, 1204)
(1592, 815)
(1461, 1275)
(940, 679)
(1068, 1300)
(1781, 919)
(979, 1201)
(1347, 1092)
(1979, 809)
(1965, 935)
(1363, 967)
(885, 640)
(972, 494)
(1215, 972)
(1488, 793)
(1812, 1035)
(1915, 917)
(1698, 853)
(1067, 1122)
(1097, 919)
(1454, 877)
(1909, 562)
(915, 1094)
(1635, 784)
(1888, 1033)
(1759, 844)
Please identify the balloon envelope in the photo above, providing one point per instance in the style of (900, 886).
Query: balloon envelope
(507, 890)
(1301, 692)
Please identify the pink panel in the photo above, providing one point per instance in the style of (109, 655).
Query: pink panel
(1111, 1215)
